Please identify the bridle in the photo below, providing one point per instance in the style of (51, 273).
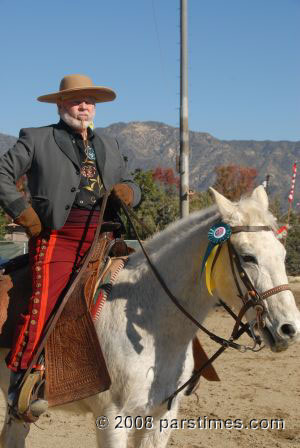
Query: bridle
(251, 299)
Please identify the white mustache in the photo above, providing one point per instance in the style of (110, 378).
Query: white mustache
(79, 122)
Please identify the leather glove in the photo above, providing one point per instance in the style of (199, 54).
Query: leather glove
(30, 221)
(123, 192)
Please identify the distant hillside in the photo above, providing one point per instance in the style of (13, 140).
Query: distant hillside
(6, 142)
(150, 144)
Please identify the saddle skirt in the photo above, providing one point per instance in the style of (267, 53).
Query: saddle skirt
(75, 365)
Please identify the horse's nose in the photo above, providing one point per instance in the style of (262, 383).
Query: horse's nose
(288, 330)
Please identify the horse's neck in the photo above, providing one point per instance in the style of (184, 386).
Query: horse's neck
(179, 261)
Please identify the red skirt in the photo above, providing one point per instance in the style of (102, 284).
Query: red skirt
(53, 257)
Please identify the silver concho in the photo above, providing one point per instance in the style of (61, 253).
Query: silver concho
(90, 153)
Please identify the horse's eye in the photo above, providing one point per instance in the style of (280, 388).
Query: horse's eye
(249, 259)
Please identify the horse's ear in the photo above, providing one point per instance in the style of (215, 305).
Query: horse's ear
(259, 194)
(225, 206)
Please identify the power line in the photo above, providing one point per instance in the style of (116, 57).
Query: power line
(162, 65)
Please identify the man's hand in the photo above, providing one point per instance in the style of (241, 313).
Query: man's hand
(30, 221)
(123, 192)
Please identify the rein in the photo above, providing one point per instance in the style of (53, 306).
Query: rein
(251, 299)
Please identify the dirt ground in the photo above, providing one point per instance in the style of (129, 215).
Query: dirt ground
(262, 385)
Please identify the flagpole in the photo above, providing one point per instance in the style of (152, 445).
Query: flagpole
(291, 199)
(287, 223)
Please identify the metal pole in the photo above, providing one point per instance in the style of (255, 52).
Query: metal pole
(184, 130)
(266, 183)
(287, 224)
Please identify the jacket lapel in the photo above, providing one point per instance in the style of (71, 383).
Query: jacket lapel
(100, 155)
(63, 140)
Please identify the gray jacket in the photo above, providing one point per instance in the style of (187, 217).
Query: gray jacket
(46, 155)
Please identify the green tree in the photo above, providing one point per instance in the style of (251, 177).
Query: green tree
(199, 200)
(293, 246)
(3, 222)
(21, 185)
(275, 207)
(159, 205)
(157, 208)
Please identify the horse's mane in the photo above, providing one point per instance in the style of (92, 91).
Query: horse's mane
(248, 212)
(180, 229)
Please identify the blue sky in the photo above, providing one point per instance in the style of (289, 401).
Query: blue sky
(244, 64)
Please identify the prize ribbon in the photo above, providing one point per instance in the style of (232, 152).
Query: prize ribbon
(216, 235)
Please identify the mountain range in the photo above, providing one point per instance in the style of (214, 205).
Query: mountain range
(150, 144)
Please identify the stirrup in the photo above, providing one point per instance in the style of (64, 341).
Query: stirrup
(28, 396)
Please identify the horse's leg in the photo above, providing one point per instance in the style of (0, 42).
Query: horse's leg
(156, 430)
(14, 432)
(109, 437)
(4, 372)
(102, 407)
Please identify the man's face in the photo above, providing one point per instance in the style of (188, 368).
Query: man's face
(81, 108)
(79, 111)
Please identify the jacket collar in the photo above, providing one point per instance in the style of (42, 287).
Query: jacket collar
(64, 141)
(63, 138)
(100, 150)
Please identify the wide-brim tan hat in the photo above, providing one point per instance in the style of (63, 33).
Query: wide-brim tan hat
(79, 85)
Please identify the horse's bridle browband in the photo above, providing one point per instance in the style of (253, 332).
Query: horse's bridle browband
(238, 229)
(251, 299)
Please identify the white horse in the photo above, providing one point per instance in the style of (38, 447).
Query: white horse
(147, 341)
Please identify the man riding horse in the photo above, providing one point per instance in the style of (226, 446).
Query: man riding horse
(69, 167)
(70, 171)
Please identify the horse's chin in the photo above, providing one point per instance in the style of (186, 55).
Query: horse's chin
(275, 344)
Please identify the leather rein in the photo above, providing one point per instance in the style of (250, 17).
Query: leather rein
(250, 299)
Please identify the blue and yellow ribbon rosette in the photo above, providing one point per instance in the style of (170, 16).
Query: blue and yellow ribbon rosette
(217, 234)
